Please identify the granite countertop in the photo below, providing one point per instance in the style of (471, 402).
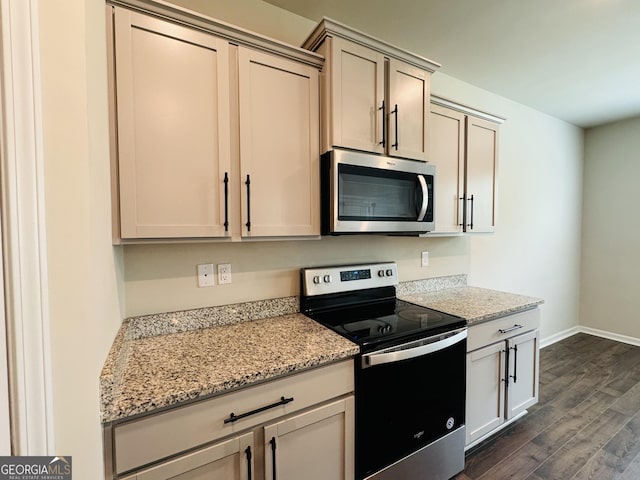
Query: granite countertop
(168, 363)
(163, 360)
(474, 304)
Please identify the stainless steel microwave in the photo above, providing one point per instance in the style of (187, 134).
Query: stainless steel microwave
(365, 193)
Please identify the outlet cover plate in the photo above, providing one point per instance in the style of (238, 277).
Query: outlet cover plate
(205, 275)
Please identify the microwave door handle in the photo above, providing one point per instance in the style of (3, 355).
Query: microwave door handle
(425, 198)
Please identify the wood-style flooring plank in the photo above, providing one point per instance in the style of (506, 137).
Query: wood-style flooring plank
(615, 457)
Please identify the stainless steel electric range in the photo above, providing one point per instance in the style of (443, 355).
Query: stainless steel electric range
(409, 376)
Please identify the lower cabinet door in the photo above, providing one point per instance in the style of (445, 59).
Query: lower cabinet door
(485, 390)
(524, 359)
(229, 460)
(315, 445)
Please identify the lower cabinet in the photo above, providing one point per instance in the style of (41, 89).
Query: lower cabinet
(316, 444)
(229, 460)
(502, 371)
(299, 426)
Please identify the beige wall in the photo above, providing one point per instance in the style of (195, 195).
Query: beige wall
(160, 278)
(611, 229)
(83, 271)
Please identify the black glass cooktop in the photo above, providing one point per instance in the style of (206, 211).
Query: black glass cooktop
(386, 320)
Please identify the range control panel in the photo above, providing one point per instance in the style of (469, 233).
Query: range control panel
(344, 278)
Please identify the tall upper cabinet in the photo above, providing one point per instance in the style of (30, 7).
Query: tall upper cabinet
(215, 130)
(375, 96)
(464, 149)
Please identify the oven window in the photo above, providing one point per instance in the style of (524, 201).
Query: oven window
(381, 195)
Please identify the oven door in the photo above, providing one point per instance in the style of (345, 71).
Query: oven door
(408, 397)
(373, 194)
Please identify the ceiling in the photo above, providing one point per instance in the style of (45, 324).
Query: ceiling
(577, 60)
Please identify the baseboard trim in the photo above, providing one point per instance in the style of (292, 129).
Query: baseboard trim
(611, 336)
(545, 342)
(590, 331)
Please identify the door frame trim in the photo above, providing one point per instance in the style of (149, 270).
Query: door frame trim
(24, 231)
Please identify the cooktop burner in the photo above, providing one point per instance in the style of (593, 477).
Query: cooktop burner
(370, 323)
(359, 302)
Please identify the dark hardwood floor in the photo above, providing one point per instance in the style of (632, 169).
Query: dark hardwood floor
(585, 426)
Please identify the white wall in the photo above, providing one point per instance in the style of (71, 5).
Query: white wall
(611, 229)
(83, 272)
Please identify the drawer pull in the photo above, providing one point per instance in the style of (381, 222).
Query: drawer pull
(233, 417)
(507, 330)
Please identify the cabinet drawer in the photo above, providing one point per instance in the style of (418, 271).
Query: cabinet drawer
(141, 442)
(490, 332)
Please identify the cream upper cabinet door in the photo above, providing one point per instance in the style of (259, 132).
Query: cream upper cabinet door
(279, 146)
(447, 154)
(228, 460)
(409, 94)
(485, 402)
(172, 95)
(481, 161)
(357, 96)
(315, 445)
(523, 372)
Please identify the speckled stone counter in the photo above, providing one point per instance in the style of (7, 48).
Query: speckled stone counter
(151, 366)
(476, 305)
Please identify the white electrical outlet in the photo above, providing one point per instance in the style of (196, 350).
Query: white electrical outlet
(425, 259)
(224, 273)
(205, 275)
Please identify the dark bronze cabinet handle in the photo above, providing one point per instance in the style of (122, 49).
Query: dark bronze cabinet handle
(248, 454)
(395, 111)
(461, 212)
(248, 184)
(273, 457)
(471, 224)
(383, 142)
(515, 364)
(234, 418)
(226, 202)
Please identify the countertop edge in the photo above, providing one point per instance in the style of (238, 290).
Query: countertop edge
(223, 389)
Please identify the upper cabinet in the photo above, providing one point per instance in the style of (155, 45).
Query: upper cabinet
(212, 136)
(279, 146)
(172, 87)
(375, 97)
(464, 149)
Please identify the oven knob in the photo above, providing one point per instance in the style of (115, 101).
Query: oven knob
(389, 272)
(316, 279)
(327, 279)
(381, 273)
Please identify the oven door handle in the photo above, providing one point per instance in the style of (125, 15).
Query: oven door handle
(398, 354)
(425, 198)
